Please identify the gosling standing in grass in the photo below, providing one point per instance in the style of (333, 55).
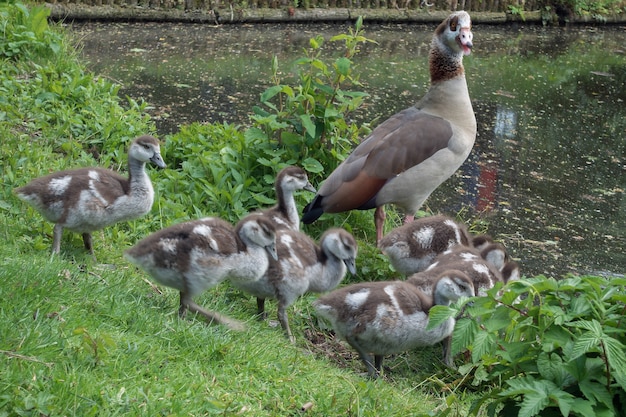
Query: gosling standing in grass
(386, 317)
(88, 199)
(302, 266)
(197, 255)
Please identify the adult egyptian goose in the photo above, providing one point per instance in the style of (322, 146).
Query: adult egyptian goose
(196, 255)
(87, 199)
(387, 317)
(285, 214)
(302, 266)
(410, 154)
(413, 246)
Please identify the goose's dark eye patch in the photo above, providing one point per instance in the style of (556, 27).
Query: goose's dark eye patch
(453, 23)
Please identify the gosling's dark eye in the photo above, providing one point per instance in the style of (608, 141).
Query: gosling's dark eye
(146, 147)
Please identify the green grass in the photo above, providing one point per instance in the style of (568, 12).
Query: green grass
(92, 339)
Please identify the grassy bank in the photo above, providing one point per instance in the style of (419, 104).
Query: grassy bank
(86, 338)
(83, 340)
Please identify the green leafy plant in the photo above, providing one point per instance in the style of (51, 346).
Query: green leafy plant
(97, 346)
(227, 171)
(218, 170)
(54, 97)
(547, 347)
(598, 10)
(25, 32)
(312, 119)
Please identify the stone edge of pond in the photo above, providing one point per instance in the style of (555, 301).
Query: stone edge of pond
(74, 12)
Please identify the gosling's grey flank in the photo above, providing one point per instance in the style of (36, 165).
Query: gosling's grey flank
(302, 266)
(477, 265)
(413, 247)
(88, 199)
(387, 317)
(196, 255)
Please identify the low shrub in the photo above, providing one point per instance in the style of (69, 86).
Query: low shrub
(547, 347)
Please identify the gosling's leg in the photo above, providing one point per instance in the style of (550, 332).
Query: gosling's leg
(260, 308)
(284, 322)
(182, 309)
(378, 362)
(88, 243)
(379, 221)
(365, 357)
(447, 347)
(211, 316)
(214, 317)
(56, 238)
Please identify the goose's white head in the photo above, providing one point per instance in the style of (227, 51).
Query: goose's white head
(456, 32)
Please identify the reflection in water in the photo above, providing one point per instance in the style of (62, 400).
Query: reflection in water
(548, 171)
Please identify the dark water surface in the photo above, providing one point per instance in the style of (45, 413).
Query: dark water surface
(548, 171)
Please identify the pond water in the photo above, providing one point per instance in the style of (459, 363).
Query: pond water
(548, 170)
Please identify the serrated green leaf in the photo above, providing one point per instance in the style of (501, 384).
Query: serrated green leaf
(583, 407)
(326, 89)
(342, 65)
(259, 111)
(262, 199)
(616, 357)
(330, 112)
(551, 367)
(580, 307)
(564, 401)
(515, 351)
(594, 391)
(320, 65)
(290, 138)
(265, 162)
(535, 394)
(620, 377)
(483, 344)
(524, 385)
(481, 306)
(508, 297)
(556, 337)
(288, 91)
(465, 330)
(498, 320)
(586, 342)
(312, 165)
(438, 314)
